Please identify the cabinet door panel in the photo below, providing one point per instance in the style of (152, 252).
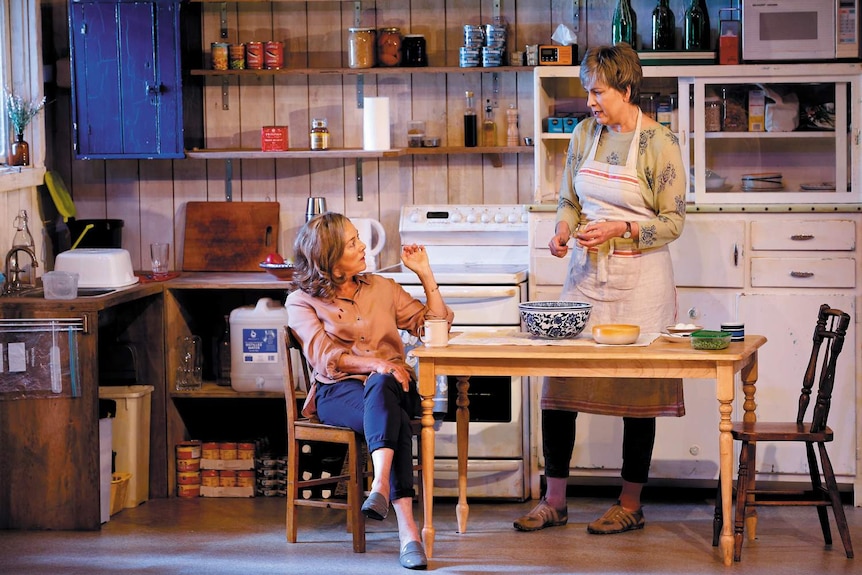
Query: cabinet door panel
(803, 272)
(709, 253)
(803, 235)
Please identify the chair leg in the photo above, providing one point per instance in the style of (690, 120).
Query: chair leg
(817, 488)
(746, 457)
(355, 519)
(292, 491)
(717, 522)
(835, 498)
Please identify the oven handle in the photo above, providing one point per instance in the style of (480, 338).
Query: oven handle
(472, 292)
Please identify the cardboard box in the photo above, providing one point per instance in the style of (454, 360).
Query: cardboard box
(236, 464)
(555, 125)
(756, 110)
(207, 491)
(274, 139)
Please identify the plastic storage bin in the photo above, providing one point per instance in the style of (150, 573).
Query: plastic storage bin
(106, 425)
(257, 347)
(131, 437)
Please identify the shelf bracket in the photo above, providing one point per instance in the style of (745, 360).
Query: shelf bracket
(360, 91)
(357, 13)
(495, 88)
(496, 9)
(228, 180)
(359, 196)
(223, 20)
(225, 103)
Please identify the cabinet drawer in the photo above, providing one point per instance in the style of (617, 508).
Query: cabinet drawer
(804, 235)
(803, 272)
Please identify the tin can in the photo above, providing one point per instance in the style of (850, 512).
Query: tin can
(236, 55)
(469, 57)
(273, 55)
(245, 450)
(245, 478)
(188, 490)
(492, 56)
(474, 36)
(219, 55)
(227, 478)
(362, 47)
(254, 55)
(188, 478)
(188, 464)
(389, 47)
(189, 450)
(227, 450)
(210, 450)
(209, 478)
(495, 35)
(414, 51)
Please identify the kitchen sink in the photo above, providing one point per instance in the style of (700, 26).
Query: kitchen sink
(40, 292)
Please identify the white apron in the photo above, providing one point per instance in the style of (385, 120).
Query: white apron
(625, 285)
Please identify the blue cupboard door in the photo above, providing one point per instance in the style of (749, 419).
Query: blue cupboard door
(127, 92)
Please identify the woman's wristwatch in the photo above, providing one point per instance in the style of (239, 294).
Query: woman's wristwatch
(628, 233)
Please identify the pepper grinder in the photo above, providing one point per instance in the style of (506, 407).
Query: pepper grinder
(512, 135)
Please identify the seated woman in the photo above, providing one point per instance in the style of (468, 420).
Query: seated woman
(347, 322)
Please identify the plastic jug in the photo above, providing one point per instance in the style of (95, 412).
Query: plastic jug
(370, 229)
(257, 347)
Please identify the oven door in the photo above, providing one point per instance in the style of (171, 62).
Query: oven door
(478, 305)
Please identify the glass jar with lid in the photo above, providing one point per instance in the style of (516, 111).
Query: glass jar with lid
(389, 47)
(414, 49)
(362, 47)
(319, 135)
(712, 115)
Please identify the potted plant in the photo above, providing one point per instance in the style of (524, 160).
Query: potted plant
(20, 113)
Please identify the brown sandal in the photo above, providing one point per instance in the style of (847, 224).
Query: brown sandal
(617, 520)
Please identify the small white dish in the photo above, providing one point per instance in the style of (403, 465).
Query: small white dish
(675, 338)
(680, 330)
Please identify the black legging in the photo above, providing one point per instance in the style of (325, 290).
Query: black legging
(558, 441)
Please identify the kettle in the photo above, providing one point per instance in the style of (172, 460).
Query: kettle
(369, 229)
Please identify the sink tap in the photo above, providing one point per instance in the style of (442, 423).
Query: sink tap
(13, 270)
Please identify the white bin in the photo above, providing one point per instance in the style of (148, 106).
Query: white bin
(106, 425)
(257, 346)
(131, 436)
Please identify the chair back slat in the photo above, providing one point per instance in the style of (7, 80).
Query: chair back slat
(828, 342)
(291, 346)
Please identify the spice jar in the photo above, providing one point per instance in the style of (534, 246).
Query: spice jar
(389, 47)
(362, 47)
(712, 115)
(319, 135)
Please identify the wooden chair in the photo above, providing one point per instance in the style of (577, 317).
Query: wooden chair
(828, 342)
(354, 473)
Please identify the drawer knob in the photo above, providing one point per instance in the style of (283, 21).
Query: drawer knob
(801, 274)
(801, 237)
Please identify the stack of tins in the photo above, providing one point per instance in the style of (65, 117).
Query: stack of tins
(189, 468)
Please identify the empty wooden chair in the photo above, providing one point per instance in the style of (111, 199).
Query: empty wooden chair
(828, 341)
(354, 473)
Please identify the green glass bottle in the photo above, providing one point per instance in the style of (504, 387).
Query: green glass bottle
(663, 27)
(696, 29)
(624, 27)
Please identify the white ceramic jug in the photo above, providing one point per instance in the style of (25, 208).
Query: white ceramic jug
(369, 229)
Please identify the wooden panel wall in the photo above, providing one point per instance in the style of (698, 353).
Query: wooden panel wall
(150, 196)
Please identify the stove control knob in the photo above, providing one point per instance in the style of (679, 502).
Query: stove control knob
(455, 217)
(472, 218)
(486, 218)
(414, 217)
(499, 218)
(525, 217)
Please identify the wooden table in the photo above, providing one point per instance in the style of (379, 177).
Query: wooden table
(658, 360)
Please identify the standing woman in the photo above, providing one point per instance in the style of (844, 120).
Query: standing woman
(622, 197)
(347, 322)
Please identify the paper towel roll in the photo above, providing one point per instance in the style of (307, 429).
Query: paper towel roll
(375, 124)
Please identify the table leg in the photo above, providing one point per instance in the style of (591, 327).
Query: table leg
(749, 379)
(462, 417)
(427, 387)
(724, 394)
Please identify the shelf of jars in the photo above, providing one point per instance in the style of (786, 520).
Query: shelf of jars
(380, 71)
(252, 154)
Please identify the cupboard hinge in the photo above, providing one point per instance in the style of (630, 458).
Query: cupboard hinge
(359, 195)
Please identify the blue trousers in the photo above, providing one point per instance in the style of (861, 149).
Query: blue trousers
(558, 441)
(381, 411)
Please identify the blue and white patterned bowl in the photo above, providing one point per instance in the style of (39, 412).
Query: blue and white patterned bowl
(555, 319)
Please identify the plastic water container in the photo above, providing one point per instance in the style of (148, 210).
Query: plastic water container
(257, 349)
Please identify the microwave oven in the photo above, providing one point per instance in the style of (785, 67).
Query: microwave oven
(800, 30)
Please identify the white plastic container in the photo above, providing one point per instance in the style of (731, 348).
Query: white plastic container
(131, 436)
(257, 349)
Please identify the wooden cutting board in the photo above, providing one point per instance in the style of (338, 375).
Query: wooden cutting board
(229, 236)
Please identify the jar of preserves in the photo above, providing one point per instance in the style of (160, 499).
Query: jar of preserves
(319, 136)
(389, 47)
(413, 48)
(362, 47)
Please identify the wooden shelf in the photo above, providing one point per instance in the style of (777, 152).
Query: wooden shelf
(379, 71)
(210, 390)
(346, 153)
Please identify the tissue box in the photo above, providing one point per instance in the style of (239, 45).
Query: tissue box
(273, 139)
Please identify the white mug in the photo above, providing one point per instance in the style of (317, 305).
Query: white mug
(435, 333)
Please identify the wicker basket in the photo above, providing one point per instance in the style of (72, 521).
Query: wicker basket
(119, 487)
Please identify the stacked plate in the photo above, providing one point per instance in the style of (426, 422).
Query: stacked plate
(762, 182)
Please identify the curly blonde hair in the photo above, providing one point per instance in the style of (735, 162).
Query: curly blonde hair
(317, 248)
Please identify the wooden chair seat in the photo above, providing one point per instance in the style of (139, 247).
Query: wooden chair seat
(828, 340)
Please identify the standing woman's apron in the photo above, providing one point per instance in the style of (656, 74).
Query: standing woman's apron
(625, 285)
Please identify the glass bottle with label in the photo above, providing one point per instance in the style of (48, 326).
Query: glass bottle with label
(319, 136)
(624, 27)
(489, 127)
(696, 26)
(471, 127)
(663, 27)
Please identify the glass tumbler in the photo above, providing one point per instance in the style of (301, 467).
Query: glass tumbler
(190, 363)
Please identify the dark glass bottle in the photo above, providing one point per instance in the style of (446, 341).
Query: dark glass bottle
(471, 127)
(663, 27)
(624, 27)
(696, 29)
